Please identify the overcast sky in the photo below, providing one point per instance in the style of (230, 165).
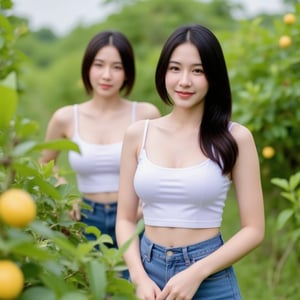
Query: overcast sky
(63, 15)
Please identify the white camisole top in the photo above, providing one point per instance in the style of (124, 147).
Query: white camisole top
(190, 197)
(97, 167)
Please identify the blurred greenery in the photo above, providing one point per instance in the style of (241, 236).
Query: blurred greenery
(42, 73)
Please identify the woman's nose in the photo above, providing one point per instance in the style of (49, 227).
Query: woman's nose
(185, 79)
(106, 72)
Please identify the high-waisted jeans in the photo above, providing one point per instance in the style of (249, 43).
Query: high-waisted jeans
(102, 216)
(162, 263)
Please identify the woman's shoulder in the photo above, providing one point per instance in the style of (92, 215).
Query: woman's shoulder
(134, 133)
(147, 110)
(240, 132)
(137, 127)
(64, 114)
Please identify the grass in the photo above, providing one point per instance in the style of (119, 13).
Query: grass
(256, 271)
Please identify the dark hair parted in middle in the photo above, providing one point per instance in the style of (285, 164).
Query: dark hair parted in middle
(214, 138)
(122, 44)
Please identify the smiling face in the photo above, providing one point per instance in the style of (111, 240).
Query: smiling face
(185, 79)
(107, 74)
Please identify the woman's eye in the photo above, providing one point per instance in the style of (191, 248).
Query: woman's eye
(198, 71)
(173, 68)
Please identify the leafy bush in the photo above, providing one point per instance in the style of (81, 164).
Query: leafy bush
(56, 260)
(265, 71)
(288, 224)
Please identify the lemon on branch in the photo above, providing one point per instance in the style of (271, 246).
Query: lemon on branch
(17, 208)
(11, 280)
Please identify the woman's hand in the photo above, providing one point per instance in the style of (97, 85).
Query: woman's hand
(74, 214)
(146, 289)
(182, 286)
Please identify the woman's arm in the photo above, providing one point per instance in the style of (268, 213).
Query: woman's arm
(58, 128)
(128, 203)
(247, 184)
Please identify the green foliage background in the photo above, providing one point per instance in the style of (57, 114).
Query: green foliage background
(266, 95)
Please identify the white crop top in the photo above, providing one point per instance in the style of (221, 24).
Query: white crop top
(190, 197)
(97, 167)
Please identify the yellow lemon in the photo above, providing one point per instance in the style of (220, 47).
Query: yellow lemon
(268, 152)
(17, 208)
(289, 18)
(11, 280)
(285, 41)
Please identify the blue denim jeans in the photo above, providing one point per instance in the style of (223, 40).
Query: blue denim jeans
(162, 263)
(102, 216)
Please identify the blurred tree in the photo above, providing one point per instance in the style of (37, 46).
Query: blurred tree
(40, 47)
(150, 24)
(152, 21)
(46, 35)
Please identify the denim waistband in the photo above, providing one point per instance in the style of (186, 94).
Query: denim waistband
(192, 251)
(95, 204)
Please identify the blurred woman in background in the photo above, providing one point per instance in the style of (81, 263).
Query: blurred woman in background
(98, 126)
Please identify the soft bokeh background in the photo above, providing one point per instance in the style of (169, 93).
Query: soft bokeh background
(264, 73)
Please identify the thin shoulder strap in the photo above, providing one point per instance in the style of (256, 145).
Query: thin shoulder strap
(145, 133)
(133, 112)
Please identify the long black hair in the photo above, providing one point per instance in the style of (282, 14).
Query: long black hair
(215, 140)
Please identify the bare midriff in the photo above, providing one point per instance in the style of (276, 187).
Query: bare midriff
(179, 237)
(104, 198)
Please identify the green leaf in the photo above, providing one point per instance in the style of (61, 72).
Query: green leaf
(36, 180)
(93, 230)
(8, 104)
(59, 144)
(25, 127)
(294, 181)
(296, 234)
(10, 81)
(74, 296)
(289, 196)
(14, 238)
(282, 183)
(139, 228)
(37, 293)
(25, 170)
(30, 146)
(42, 229)
(283, 218)
(47, 188)
(65, 246)
(55, 283)
(31, 269)
(23, 148)
(121, 289)
(31, 250)
(6, 4)
(84, 248)
(105, 238)
(47, 168)
(97, 279)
